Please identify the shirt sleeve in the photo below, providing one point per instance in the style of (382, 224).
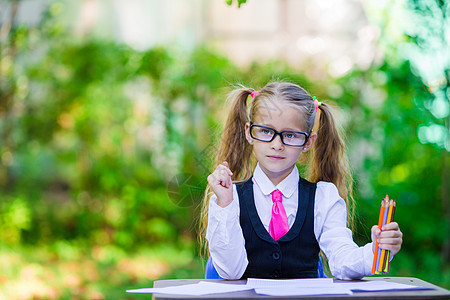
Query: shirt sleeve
(225, 238)
(346, 259)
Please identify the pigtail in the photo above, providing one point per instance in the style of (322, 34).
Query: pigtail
(235, 149)
(330, 162)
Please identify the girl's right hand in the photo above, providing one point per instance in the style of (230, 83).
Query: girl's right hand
(220, 182)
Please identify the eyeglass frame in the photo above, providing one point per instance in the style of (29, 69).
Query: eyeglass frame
(280, 133)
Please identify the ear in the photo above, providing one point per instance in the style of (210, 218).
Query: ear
(247, 133)
(310, 143)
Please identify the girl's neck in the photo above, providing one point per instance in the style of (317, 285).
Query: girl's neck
(277, 177)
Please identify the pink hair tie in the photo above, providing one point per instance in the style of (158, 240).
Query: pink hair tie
(316, 103)
(254, 94)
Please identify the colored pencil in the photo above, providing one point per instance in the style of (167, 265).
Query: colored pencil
(385, 253)
(379, 250)
(380, 221)
(385, 207)
(381, 255)
(386, 269)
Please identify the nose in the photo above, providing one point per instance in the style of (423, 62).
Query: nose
(277, 144)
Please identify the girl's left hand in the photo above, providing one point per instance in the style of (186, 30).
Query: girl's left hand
(389, 237)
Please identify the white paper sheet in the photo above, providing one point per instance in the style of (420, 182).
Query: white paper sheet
(197, 289)
(282, 287)
(285, 283)
(378, 285)
(291, 291)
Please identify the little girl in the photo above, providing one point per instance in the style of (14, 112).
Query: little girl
(270, 222)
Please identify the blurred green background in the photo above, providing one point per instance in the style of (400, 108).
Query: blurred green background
(105, 149)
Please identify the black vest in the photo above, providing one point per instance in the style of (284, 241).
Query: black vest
(296, 254)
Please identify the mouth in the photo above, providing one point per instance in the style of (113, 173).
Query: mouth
(275, 157)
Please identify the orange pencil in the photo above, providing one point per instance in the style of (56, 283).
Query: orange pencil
(380, 221)
(385, 253)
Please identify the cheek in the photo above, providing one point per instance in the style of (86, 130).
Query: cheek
(260, 150)
(295, 153)
(257, 148)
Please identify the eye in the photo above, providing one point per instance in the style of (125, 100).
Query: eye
(289, 135)
(266, 131)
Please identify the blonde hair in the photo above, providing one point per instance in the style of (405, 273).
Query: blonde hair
(328, 163)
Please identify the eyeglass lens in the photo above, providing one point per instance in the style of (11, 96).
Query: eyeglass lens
(290, 138)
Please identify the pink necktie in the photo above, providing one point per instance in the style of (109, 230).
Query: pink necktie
(278, 225)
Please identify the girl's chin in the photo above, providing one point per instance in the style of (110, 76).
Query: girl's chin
(277, 167)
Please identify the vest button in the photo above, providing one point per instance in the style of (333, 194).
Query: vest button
(276, 255)
(276, 274)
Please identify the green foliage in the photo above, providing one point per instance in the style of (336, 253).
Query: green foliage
(239, 2)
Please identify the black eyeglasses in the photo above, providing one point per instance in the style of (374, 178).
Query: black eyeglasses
(289, 138)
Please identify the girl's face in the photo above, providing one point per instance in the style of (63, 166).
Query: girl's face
(275, 158)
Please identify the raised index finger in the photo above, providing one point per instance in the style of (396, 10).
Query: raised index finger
(225, 164)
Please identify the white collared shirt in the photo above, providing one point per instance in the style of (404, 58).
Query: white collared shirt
(227, 244)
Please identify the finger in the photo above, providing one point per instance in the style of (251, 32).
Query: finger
(390, 226)
(391, 234)
(227, 167)
(213, 179)
(229, 174)
(394, 248)
(221, 176)
(390, 241)
(375, 231)
(224, 176)
(223, 171)
(225, 180)
(218, 177)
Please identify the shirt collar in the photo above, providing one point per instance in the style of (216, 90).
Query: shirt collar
(287, 187)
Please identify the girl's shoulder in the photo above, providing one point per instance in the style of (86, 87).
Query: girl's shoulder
(325, 185)
(327, 193)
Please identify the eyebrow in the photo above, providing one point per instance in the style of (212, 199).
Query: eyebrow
(273, 127)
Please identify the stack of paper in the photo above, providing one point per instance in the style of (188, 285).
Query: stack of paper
(378, 285)
(197, 289)
(283, 287)
(297, 287)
